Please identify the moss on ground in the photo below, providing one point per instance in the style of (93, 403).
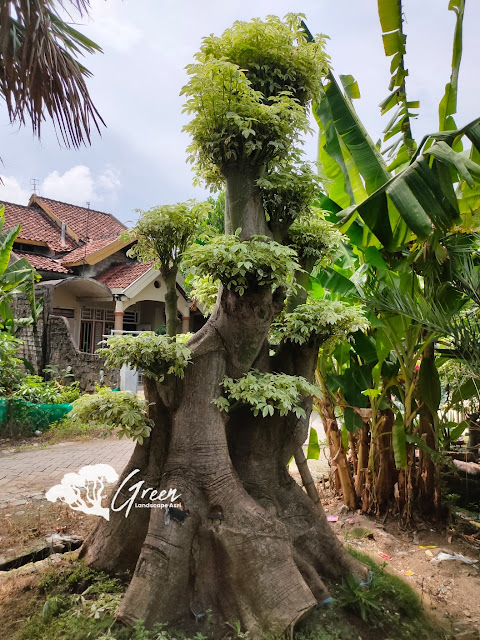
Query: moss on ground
(73, 602)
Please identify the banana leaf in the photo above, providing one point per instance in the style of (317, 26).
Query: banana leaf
(448, 104)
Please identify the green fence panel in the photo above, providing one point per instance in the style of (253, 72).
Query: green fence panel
(25, 418)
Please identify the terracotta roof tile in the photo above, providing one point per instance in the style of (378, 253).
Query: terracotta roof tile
(36, 226)
(87, 249)
(87, 224)
(123, 275)
(42, 263)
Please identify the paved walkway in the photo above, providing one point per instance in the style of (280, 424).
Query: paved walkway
(28, 474)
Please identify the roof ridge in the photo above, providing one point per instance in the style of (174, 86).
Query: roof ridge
(78, 206)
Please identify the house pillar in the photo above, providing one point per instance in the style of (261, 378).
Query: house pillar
(119, 313)
(186, 323)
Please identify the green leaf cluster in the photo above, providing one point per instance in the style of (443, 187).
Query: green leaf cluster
(313, 238)
(287, 191)
(35, 389)
(10, 364)
(163, 233)
(205, 291)
(157, 355)
(242, 265)
(329, 320)
(266, 393)
(121, 409)
(247, 93)
(15, 276)
(275, 55)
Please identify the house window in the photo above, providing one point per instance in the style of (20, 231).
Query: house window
(95, 323)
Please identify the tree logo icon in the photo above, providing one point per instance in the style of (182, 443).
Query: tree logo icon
(83, 491)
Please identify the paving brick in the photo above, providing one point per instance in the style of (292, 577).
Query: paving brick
(26, 472)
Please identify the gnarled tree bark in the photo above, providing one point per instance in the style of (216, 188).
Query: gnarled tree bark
(251, 546)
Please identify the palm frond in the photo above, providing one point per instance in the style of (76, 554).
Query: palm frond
(40, 72)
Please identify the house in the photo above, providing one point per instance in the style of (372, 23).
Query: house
(89, 286)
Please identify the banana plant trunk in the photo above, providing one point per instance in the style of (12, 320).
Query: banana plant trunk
(338, 455)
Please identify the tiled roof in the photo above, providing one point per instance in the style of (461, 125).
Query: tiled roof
(87, 224)
(36, 225)
(77, 255)
(123, 275)
(42, 263)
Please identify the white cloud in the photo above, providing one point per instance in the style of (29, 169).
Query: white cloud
(111, 27)
(79, 186)
(11, 191)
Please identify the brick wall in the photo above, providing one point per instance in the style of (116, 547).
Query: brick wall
(86, 367)
(51, 342)
(34, 337)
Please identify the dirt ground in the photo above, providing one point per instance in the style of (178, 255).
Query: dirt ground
(450, 588)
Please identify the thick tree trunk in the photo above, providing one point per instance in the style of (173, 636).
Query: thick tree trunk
(114, 545)
(243, 202)
(241, 564)
(248, 543)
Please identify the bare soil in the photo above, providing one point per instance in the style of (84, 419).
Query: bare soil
(451, 589)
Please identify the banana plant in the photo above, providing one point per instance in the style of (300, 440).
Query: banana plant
(15, 277)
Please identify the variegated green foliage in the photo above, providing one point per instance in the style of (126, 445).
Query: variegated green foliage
(155, 354)
(243, 265)
(123, 411)
(163, 233)
(266, 393)
(313, 238)
(247, 93)
(287, 192)
(326, 320)
(204, 292)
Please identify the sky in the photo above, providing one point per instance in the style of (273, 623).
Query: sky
(139, 160)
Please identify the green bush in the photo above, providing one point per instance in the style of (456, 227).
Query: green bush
(158, 355)
(10, 364)
(328, 320)
(35, 389)
(123, 411)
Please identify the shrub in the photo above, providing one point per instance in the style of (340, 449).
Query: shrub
(325, 319)
(121, 410)
(10, 365)
(35, 389)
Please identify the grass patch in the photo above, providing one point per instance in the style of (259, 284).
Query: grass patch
(73, 602)
(385, 609)
(71, 429)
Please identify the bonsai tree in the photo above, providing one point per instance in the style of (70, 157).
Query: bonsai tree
(249, 545)
(162, 234)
